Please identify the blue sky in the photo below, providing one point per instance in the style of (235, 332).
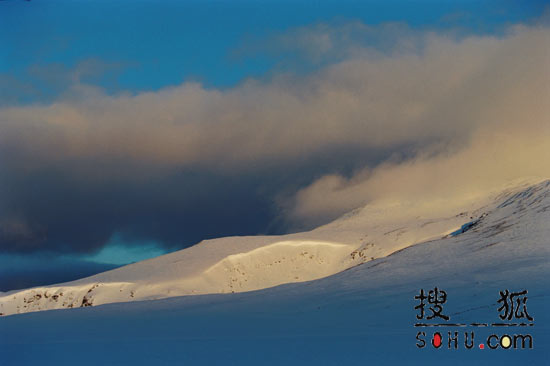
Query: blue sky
(98, 100)
(145, 45)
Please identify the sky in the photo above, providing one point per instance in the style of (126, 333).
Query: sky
(130, 129)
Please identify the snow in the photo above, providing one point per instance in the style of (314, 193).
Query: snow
(362, 315)
(238, 264)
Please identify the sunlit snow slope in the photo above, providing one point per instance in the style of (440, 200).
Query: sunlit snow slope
(238, 264)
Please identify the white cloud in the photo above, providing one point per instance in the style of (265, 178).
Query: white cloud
(479, 106)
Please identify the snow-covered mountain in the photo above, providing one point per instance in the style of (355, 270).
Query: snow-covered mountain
(363, 315)
(239, 264)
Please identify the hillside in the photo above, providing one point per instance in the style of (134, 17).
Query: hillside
(238, 264)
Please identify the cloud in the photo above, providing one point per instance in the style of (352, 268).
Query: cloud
(490, 160)
(325, 43)
(23, 271)
(437, 114)
(496, 109)
(47, 82)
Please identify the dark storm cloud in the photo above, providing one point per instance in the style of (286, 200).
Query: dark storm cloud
(188, 163)
(52, 209)
(24, 271)
(78, 204)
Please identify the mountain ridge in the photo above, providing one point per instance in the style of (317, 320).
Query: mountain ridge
(238, 264)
